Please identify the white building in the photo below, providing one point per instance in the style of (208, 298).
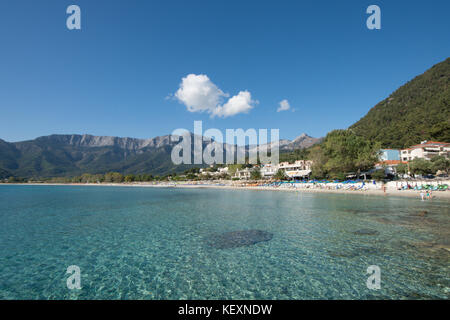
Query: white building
(242, 174)
(298, 169)
(389, 166)
(219, 172)
(223, 170)
(426, 150)
(268, 170)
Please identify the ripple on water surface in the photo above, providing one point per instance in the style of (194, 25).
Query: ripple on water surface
(235, 239)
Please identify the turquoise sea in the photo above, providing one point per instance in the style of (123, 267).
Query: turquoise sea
(156, 243)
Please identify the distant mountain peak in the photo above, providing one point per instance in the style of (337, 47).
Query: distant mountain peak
(301, 137)
(300, 142)
(303, 141)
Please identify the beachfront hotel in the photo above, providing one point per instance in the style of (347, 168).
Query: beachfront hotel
(426, 150)
(391, 158)
(269, 170)
(242, 174)
(297, 170)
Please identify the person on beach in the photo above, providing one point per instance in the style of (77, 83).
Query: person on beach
(422, 195)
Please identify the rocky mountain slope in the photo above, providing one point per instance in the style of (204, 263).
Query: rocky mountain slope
(70, 155)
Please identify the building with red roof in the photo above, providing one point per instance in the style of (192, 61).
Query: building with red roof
(426, 150)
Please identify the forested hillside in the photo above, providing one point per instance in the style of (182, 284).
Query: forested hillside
(417, 111)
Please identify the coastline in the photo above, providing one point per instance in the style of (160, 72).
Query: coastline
(377, 192)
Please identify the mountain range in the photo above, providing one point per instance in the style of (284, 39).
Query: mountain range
(71, 155)
(418, 110)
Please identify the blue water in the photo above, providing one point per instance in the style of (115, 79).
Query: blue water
(151, 243)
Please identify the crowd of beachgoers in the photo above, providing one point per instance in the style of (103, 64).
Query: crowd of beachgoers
(324, 185)
(359, 185)
(409, 188)
(353, 185)
(418, 188)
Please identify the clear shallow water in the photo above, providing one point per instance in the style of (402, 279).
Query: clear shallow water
(150, 243)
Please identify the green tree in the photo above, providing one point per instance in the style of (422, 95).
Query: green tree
(16, 180)
(343, 152)
(255, 174)
(87, 178)
(420, 166)
(347, 152)
(402, 168)
(232, 168)
(146, 177)
(190, 176)
(378, 174)
(206, 176)
(319, 160)
(224, 176)
(192, 170)
(440, 163)
(130, 178)
(280, 175)
(76, 179)
(114, 177)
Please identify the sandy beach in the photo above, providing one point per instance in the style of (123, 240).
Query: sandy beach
(390, 190)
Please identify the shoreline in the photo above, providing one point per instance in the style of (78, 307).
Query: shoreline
(377, 192)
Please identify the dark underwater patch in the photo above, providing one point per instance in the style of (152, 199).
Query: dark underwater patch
(235, 239)
(366, 232)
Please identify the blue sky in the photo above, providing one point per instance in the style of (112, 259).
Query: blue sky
(119, 74)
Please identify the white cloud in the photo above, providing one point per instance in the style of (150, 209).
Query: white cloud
(241, 103)
(284, 106)
(199, 94)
